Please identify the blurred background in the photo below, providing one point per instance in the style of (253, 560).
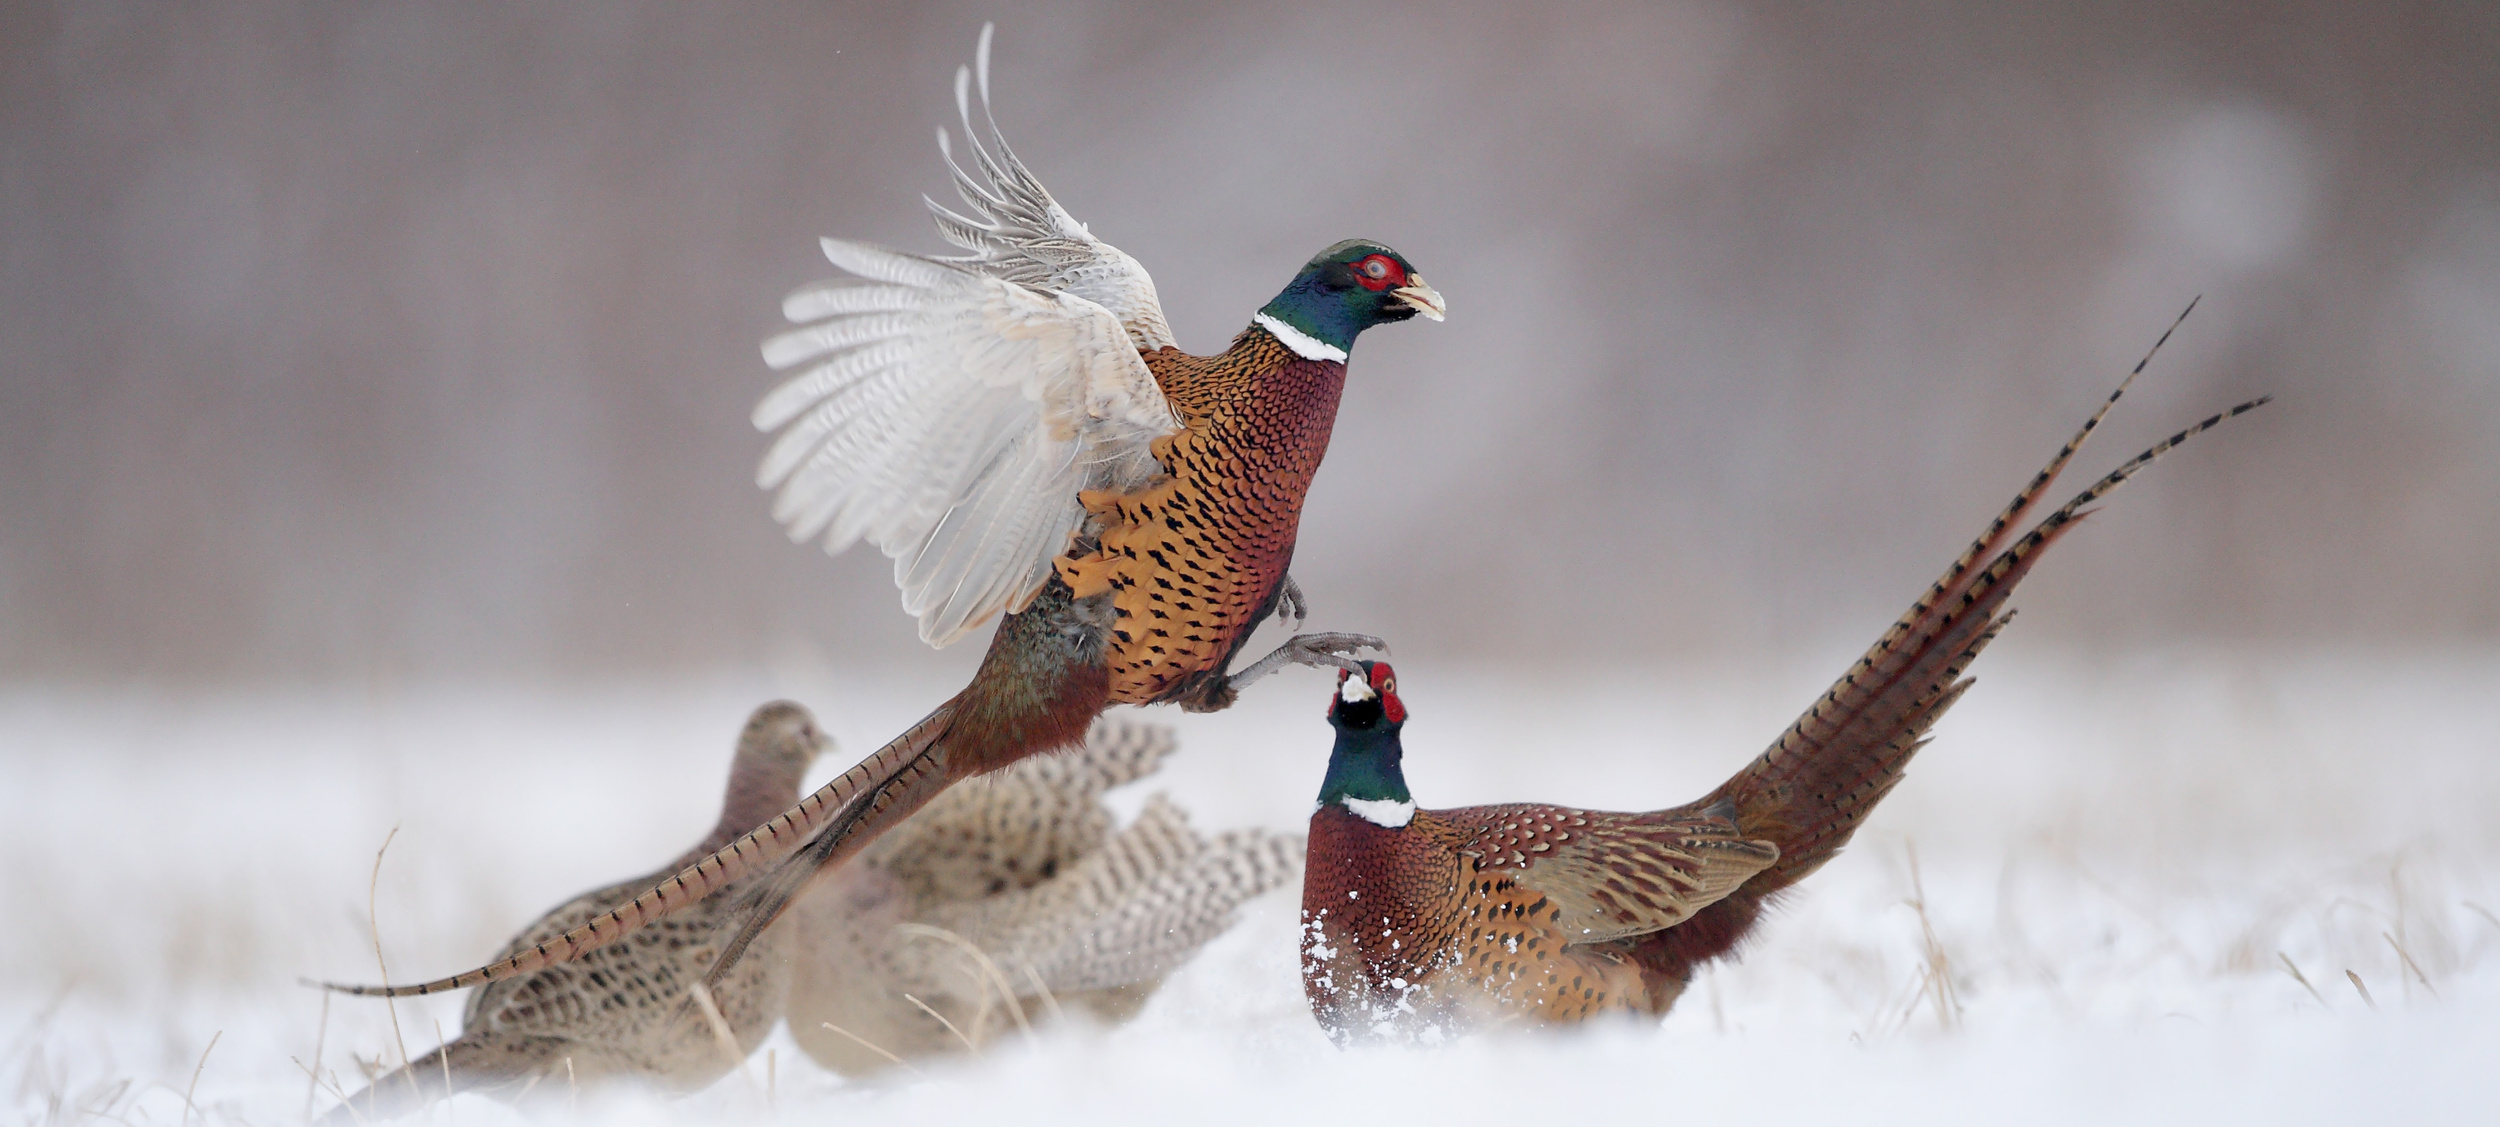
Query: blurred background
(385, 341)
(375, 473)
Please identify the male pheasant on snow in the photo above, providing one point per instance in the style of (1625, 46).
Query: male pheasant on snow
(1422, 921)
(1006, 900)
(623, 1012)
(1017, 429)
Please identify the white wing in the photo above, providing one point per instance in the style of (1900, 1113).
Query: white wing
(950, 417)
(1017, 232)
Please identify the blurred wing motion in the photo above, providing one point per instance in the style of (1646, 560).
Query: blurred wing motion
(949, 411)
(1013, 894)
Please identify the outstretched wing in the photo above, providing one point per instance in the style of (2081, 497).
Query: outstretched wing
(1614, 875)
(1015, 231)
(950, 418)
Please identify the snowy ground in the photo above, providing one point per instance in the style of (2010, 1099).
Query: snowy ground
(2122, 861)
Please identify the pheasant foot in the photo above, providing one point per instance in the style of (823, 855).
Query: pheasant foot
(1315, 650)
(1290, 606)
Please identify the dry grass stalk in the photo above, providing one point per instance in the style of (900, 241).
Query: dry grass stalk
(721, 1035)
(2365, 991)
(442, 1058)
(869, 1045)
(941, 1019)
(2410, 965)
(1939, 971)
(2302, 979)
(1042, 991)
(373, 922)
(321, 1038)
(313, 1076)
(991, 976)
(196, 1069)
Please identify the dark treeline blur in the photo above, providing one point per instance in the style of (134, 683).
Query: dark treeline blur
(345, 340)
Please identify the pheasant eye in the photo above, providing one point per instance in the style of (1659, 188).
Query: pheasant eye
(1379, 272)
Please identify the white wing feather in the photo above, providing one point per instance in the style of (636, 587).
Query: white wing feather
(1017, 232)
(950, 417)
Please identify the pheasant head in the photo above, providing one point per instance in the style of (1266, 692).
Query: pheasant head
(1350, 287)
(780, 741)
(1365, 770)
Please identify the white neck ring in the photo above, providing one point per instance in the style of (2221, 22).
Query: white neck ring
(1303, 344)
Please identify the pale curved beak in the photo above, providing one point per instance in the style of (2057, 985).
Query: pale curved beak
(1421, 298)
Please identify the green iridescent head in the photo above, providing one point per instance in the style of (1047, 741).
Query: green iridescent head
(1350, 287)
(1367, 765)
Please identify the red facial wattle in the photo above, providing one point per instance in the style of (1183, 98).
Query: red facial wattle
(1384, 681)
(1378, 272)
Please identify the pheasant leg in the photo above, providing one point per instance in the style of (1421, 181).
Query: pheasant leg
(1315, 650)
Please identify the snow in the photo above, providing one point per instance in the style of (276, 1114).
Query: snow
(2085, 905)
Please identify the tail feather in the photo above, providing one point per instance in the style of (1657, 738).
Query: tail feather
(1808, 791)
(868, 789)
(909, 772)
(1992, 541)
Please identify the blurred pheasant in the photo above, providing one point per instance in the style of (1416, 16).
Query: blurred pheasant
(1016, 428)
(1009, 898)
(624, 1012)
(1416, 921)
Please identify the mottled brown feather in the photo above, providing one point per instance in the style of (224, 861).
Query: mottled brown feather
(1193, 560)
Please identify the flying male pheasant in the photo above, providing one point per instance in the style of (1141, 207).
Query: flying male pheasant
(621, 1012)
(1016, 428)
(1418, 922)
(1006, 900)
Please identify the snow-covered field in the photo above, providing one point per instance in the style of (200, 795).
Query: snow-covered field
(2124, 862)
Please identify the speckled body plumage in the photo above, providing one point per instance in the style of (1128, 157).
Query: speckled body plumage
(625, 1011)
(1429, 926)
(1027, 868)
(1016, 429)
(1421, 922)
(1194, 560)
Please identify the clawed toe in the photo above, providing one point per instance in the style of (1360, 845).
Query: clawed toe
(1316, 650)
(1332, 650)
(1290, 606)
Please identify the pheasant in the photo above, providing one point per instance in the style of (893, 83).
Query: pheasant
(1013, 896)
(1016, 428)
(1424, 922)
(621, 1012)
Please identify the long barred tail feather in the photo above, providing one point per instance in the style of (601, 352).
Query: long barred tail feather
(1810, 789)
(1956, 578)
(841, 800)
(904, 788)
